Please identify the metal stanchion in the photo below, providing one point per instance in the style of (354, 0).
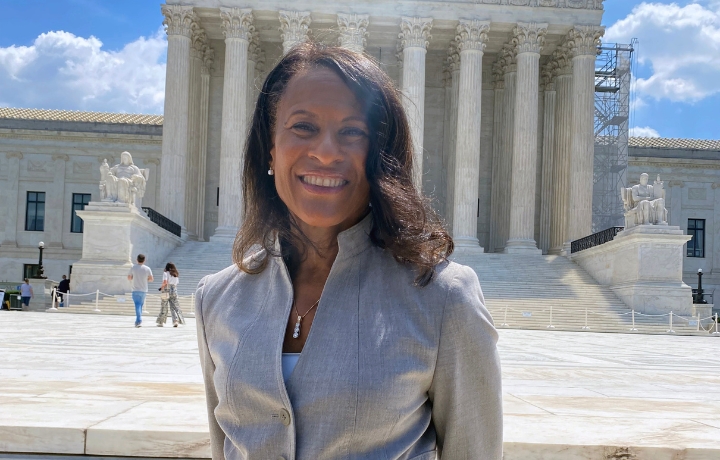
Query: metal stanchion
(53, 300)
(550, 326)
(97, 300)
(716, 325)
(633, 320)
(505, 323)
(586, 327)
(670, 331)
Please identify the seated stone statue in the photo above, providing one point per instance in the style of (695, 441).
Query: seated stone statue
(124, 182)
(644, 204)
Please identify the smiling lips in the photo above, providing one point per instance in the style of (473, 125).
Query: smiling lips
(327, 182)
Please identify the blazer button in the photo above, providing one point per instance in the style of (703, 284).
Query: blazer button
(284, 417)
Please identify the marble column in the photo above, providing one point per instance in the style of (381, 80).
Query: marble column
(11, 196)
(471, 41)
(561, 146)
(449, 138)
(180, 21)
(583, 42)
(54, 207)
(153, 181)
(546, 188)
(237, 25)
(253, 58)
(505, 163)
(353, 31)
(205, 70)
(294, 28)
(414, 36)
(197, 48)
(529, 39)
(497, 150)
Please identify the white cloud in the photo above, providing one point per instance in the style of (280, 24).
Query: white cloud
(63, 71)
(680, 43)
(643, 132)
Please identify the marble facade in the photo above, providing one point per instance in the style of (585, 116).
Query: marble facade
(60, 153)
(458, 65)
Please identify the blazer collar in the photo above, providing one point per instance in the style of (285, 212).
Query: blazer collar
(352, 241)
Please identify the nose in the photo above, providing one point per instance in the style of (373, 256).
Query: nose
(327, 150)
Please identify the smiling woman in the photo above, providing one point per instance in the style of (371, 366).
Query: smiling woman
(342, 331)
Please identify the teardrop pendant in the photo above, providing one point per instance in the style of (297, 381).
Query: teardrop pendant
(296, 332)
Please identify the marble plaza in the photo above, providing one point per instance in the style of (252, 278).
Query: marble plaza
(84, 384)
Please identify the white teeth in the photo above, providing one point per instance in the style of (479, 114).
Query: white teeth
(322, 182)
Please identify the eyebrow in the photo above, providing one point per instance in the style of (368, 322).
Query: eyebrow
(310, 114)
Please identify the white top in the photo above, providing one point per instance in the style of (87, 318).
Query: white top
(289, 361)
(174, 280)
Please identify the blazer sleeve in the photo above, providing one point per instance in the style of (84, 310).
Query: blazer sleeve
(217, 436)
(466, 392)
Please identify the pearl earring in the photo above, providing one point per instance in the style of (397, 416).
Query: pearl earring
(270, 172)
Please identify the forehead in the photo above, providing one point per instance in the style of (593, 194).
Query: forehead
(318, 88)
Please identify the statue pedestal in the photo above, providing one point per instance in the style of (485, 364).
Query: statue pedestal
(643, 266)
(114, 234)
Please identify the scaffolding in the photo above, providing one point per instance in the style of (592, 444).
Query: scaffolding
(613, 77)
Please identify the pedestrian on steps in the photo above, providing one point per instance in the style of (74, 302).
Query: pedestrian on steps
(168, 295)
(26, 292)
(140, 275)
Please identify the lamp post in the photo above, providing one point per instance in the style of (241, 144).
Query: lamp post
(41, 271)
(699, 298)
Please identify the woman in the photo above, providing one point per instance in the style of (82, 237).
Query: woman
(341, 260)
(26, 292)
(171, 277)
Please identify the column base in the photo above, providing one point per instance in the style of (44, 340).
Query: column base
(224, 234)
(521, 247)
(467, 242)
(566, 250)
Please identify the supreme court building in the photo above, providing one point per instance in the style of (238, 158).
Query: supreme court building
(499, 94)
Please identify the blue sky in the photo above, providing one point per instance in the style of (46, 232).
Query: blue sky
(109, 55)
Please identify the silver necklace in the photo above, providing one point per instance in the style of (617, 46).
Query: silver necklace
(296, 332)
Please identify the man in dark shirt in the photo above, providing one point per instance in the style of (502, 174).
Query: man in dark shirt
(63, 288)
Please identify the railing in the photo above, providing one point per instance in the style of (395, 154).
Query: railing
(569, 319)
(596, 239)
(162, 221)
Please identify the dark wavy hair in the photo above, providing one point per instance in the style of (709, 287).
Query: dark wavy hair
(170, 267)
(403, 221)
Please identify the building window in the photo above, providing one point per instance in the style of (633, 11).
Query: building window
(696, 246)
(78, 204)
(31, 271)
(35, 212)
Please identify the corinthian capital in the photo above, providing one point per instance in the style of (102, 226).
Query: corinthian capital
(237, 23)
(453, 59)
(529, 37)
(547, 76)
(584, 40)
(498, 74)
(179, 20)
(208, 58)
(415, 32)
(353, 30)
(295, 26)
(472, 35)
(508, 58)
(198, 43)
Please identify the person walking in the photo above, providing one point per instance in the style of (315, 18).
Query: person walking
(171, 277)
(26, 292)
(62, 289)
(140, 275)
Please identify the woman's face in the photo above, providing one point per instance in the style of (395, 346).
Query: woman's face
(320, 147)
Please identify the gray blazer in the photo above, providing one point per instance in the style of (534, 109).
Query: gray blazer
(389, 371)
